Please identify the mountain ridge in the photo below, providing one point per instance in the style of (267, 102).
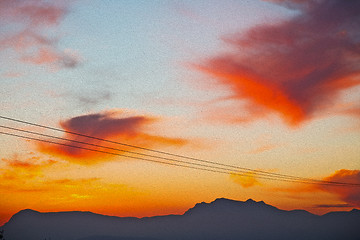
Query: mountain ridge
(220, 219)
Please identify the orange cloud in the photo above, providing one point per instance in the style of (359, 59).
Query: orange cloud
(295, 68)
(18, 172)
(24, 29)
(350, 194)
(247, 180)
(353, 110)
(32, 162)
(111, 125)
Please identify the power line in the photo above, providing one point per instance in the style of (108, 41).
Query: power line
(101, 146)
(147, 155)
(116, 154)
(173, 164)
(243, 171)
(197, 167)
(260, 172)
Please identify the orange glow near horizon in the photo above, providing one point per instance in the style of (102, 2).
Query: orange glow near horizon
(29, 180)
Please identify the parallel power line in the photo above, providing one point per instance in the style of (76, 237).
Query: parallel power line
(159, 152)
(229, 170)
(199, 164)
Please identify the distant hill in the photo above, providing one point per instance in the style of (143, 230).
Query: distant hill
(221, 219)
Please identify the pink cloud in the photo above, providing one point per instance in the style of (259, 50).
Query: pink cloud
(25, 29)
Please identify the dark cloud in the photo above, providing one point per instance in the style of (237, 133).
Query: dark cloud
(297, 67)
(111, 125)
(24, 29)
(334, 206)
(95, 98)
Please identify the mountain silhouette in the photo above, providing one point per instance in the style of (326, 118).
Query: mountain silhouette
(221, 219)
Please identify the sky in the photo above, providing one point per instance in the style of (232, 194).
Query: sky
(266, 85)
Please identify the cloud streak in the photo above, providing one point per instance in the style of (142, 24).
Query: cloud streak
(333, 205)
(113, 125)
(294, 68)
(26, 28)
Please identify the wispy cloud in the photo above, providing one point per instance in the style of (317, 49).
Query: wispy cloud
(295, 68)
(47, 55)
(12, 74)
(28, 168)
(116, 125)
(263, 148)
(27, 28)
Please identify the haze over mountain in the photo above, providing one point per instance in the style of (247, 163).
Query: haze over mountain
(220, 219)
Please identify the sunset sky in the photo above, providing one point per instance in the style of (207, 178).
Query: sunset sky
(267, 85)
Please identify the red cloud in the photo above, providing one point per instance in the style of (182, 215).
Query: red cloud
(24, 25)
(294, 68)
(114, 126)
(349, 195)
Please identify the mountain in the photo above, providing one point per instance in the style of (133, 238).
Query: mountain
(223, 219)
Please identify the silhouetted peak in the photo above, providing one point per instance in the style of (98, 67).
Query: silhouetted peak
(249, 201)
(223, 200)
(27, 212)
(224, 204)
(253, 202)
